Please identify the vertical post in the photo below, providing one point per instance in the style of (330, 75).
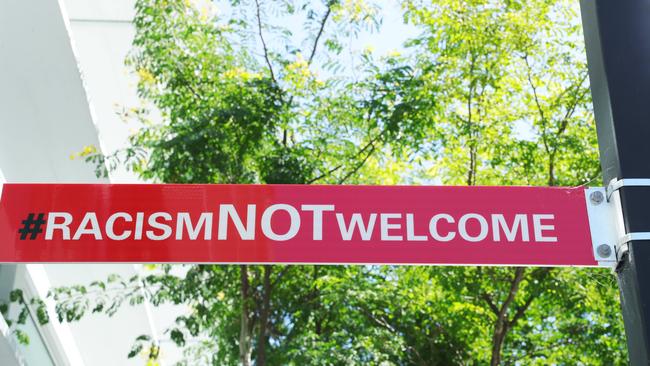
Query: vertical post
(617, 35)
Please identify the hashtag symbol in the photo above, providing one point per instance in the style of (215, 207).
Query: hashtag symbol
(32, 226)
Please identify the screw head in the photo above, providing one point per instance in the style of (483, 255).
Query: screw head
(604, 250)
(596, 197)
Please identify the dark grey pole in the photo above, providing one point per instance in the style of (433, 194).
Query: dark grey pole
(617, 35)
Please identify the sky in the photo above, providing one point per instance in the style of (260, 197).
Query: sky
(390, 36)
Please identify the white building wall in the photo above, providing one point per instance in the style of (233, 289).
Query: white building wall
(62, 79)
(102, 33)
(44, 113)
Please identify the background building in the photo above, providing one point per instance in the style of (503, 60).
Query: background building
(62, 80)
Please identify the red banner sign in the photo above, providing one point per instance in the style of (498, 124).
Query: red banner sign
(294, 224)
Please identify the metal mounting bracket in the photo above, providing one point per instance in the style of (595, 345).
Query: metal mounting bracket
(612, 208)
(617, 184)
(604, 225)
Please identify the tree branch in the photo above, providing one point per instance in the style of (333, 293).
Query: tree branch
(185, 82)
(514, 287)
(471, 174)
(379, 320)
(325, 174)
(488, 299)
(573, 107)
(279, 276)
(320, 32)
(537, 103)
(266, 51)
(521, 310)
(502, 325)
(370, 145)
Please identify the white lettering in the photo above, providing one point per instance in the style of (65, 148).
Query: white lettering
(293, 227)
(318, 218)
(356, 221)
(83, 229)
(410, 230)
(520, 222)
(166, 229)
(245, 233)
(184, 219)
(53, 225)
(462, 227)
(433, 227)
(385, 226)
(110, 232)
(539, 228)
(139, 222)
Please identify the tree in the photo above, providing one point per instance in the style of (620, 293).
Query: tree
(512, 81)
(233, 118)
(490, 93)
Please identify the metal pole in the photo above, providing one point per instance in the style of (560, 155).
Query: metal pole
(617, 35)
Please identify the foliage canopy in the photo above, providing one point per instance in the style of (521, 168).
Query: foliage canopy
(490, 93)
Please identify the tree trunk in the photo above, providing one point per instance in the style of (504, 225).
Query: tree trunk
(264, 318)
(499, 335)
(551, 171)
(501, 326)
(245, 348)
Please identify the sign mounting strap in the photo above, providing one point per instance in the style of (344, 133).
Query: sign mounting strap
(617, 184)
(634, 237)
(622, 245)
(623, 240)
